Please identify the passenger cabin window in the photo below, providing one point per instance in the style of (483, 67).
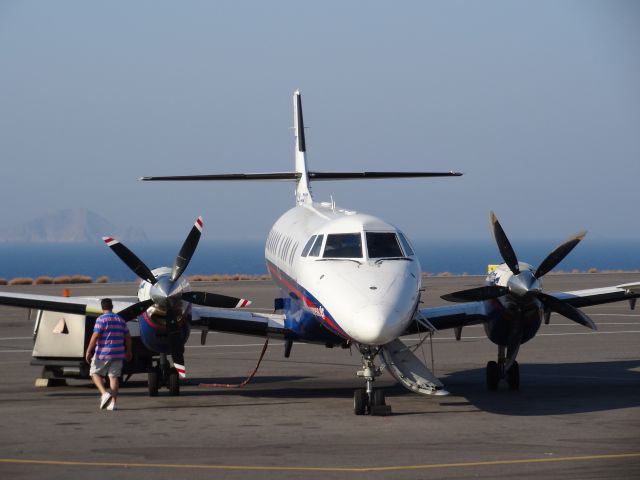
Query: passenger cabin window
(383, 245)
(315, 250)
(307, 247)
(343, 245)
(408, 251)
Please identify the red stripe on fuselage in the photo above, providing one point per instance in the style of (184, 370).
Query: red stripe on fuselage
(308, 302)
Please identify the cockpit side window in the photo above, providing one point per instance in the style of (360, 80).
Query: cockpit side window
(315, 250)
(383, 245)
(307, 247)
(408, 251)
(343, 245)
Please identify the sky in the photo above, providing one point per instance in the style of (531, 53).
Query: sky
(537, 103)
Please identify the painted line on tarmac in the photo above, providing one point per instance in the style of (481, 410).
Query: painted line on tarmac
(466, 337)
(599, 323)
(16, 338)
(583, 377)
(415, 339)
(247, 468)
(271, 344)
(585, 333)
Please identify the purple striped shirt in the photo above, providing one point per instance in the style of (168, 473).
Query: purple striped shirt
(112, 329)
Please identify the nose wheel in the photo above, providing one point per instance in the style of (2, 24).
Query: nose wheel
(369, 400)
(363, 405)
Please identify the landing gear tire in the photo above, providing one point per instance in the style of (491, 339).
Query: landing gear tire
(513, 377)
(493, 375)
(153, 382)
(174, 383)
(378, 398)
(360, 402)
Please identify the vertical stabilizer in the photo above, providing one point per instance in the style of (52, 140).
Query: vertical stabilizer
(303, 193)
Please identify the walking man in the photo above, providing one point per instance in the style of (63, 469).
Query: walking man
(112, 343)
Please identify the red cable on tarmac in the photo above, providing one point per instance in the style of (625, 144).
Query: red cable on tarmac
(246, 381)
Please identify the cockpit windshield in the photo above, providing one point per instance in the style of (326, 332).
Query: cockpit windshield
(343, 245)
(317, 245)
(307, 247)
(383, 245)
(408, 251)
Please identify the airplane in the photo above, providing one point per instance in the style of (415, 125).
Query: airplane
(346, 279)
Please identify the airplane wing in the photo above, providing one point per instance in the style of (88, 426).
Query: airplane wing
(451, 316)
(472, 313)
(238, 321)
(599, 296)
(54, 303)
(205, 318)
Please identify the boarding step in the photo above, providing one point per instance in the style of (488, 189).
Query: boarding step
(405, 367)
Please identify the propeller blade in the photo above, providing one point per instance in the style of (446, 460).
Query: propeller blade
(561, 251)
(506, 250)
(488, 292)
(176, 346)
(215, 300)
(566, 310)
(132, 311)
(186, 252)
(178, 364)
(130, 259)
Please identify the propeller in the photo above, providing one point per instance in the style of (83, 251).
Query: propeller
(525, 285)
(167, 293)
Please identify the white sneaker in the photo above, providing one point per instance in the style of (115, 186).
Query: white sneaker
(105, 400)
(112, 405)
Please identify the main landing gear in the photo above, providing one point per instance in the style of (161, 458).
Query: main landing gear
(368, 400)
(496, 371)
(163, 375)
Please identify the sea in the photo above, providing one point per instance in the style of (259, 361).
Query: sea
(456, 257)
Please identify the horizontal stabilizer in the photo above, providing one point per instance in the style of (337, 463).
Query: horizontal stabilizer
(312, 176)
(230, 176)
(377, 175)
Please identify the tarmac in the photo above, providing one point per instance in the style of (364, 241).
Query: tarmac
(576, 416)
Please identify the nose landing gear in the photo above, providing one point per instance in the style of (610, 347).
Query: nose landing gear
(163, 375)
(368, 400)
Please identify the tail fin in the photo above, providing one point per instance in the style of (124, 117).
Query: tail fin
(303, 192)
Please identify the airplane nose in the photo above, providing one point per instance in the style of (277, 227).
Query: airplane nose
(374, 325)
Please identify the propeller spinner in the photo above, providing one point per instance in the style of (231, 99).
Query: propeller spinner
(167, 291)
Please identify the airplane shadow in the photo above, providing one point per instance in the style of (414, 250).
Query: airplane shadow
(553, 389)
(262, 387)
(545, 389)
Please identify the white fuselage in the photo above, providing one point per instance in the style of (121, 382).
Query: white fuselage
(369, 297)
